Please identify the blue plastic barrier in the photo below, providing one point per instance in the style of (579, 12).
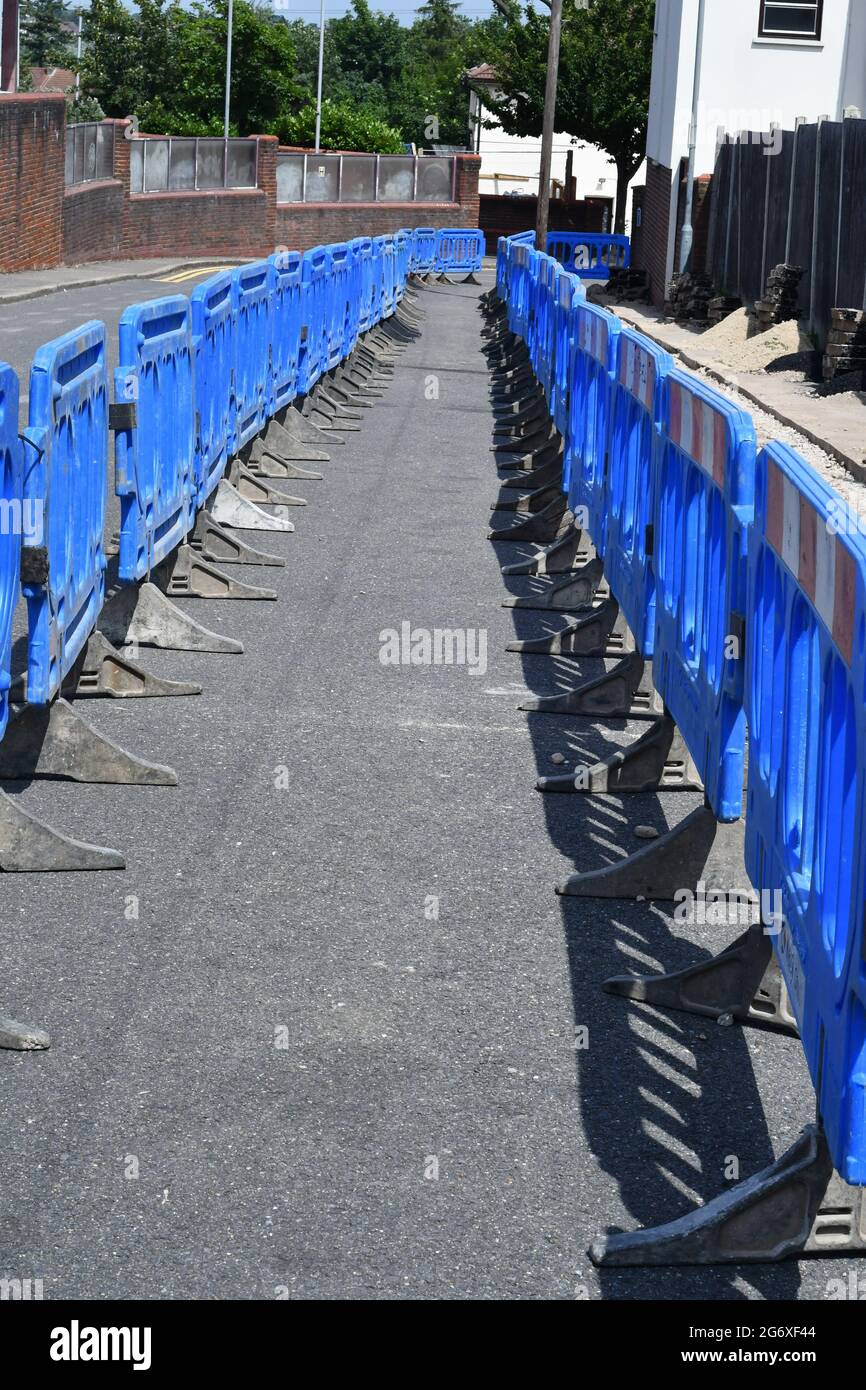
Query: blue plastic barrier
(11, 498)
(212, 305)
(314, 318)
(704, 504)
(402, 259)
(362, 257)
(252, 287)
(285, 328)
(594, 371)
(591, 255)
(568, 295)
(805, 812)
(423, 250)
(459, 251)
(154, 450)
(65, 475)
(638, 401)
(542, 334)
(337, 303)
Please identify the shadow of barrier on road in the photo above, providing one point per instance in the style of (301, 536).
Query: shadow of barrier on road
(216, 398)
(728, 601)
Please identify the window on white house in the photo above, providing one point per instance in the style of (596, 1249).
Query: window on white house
(800, 21)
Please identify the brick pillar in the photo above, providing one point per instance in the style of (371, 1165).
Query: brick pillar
(32, 162)
(656, 221)
(121, 173)
(267, 182)
(466, 187)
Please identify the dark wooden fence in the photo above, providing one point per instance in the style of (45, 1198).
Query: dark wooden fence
(804, 204)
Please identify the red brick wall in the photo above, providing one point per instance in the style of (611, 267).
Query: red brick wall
(93, 222)
(700, 218)
(302, 225)
(42, 224)
(32, 153)
(651, 254)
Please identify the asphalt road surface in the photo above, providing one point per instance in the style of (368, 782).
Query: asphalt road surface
(320, 1039)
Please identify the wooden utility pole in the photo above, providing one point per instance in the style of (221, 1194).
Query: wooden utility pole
(547, 125)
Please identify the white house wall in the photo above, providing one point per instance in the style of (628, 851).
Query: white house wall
(747, 82)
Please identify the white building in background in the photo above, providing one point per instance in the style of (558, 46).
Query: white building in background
(758, 63)
(509, 163)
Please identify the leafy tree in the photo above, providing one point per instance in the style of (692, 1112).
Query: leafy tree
(45, 36)
(604, 78)
(343, 128)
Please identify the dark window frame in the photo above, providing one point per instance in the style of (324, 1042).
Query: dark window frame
(790, 35)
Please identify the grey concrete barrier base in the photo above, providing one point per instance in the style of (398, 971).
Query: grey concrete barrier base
(142, 616)
(29, 846)
(101, 671)
(544, 476)
(56, 741)
(526, 503)
(526, 444)
(22, 1037)
(658, 761)
(575, 592)
(542, 527)
(522, 464)
(743, 982)
(798, 1205)
(185, 574)
(240, 514)
(257, 489)
(263, 464)
(700, 849)
(298, 427)
(214, 542)
(604, 632)
(626, 691)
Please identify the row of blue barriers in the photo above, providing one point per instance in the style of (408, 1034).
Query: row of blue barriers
(268, 356)
(741, 577)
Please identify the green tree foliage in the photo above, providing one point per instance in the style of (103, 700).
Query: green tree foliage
(166, 65)
(604, 77)
(46, 35)
(343, 128)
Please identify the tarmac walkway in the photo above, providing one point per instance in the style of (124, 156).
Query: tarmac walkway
(319, 1039)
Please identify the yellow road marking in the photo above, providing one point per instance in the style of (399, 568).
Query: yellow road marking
(180, 275)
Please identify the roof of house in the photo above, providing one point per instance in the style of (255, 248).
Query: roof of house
(484, 72)
(52, 79)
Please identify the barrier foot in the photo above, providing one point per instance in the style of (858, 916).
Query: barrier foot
(544, 526)
(102, 671)
(523, 445)
(184, 574)
(22, 1037)
(56, 741)
(527, 502)
(548, 475)
(573, 550)
(744, 981)
(578, 591)
(658, 761)
(797, 1206)
(603, 632)
(470, 279)
(237, 512)
(302, 430)
(554, 452)
(624, 692)
(29, 846)
(517, 461)
(263, 464)
(142, 616)
(281, 445)
(336, 407)
(700, 849)
(257, 490)
(213, 542)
